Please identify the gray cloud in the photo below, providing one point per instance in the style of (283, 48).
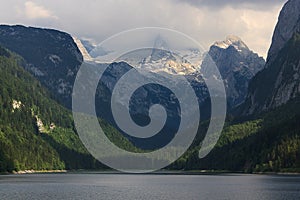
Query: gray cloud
(206, 21)
(249, 4)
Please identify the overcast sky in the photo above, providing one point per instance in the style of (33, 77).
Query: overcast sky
(205, 20)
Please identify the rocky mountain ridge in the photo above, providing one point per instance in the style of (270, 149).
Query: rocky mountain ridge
(237, 65)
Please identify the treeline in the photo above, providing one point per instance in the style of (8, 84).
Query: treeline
(270, 143)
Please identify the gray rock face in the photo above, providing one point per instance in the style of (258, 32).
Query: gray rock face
(279, 81)
(237, 65)
(288, 24)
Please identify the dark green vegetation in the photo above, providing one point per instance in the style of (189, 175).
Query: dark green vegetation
(270, 143)
(25, 142)
(23, 146)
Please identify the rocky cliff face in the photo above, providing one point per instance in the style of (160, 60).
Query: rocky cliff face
(288, 24)
(237, 65)
(279, 81)
(51, 56)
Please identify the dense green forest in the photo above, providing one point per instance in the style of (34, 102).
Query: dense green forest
(268, 144)
(35, 131)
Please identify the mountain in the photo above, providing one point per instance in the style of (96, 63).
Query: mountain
(279, 81)
(51, 56)
(36, 132)
(237, 65)
(158, 59)
(265, 136)
(180, 62)
(164, 61)
(141, 101)
(140, 104)
(236, 62)
(287, 25)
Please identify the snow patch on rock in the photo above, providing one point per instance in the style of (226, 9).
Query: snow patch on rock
(232, 40)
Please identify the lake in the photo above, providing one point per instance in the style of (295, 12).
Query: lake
(148, 187)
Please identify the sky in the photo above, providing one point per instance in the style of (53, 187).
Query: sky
(206, 21)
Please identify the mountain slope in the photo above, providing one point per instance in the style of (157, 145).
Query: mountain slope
(32, 125)
(51, 56)
(21, 147)
(35, 131)
(266, 137)
(269, 143)
(288, 23)
(278, 83)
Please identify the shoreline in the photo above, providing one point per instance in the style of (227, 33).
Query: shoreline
(31, 171)
(161, 172)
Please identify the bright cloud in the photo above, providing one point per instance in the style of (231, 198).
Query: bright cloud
(34, 11)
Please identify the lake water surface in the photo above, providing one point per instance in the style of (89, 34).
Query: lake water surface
(149, 187)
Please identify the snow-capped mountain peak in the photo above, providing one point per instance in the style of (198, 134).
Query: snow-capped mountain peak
(233, 41)
(159, 58)
(179, 61)
(237, 65)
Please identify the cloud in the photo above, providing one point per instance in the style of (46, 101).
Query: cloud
(252, 20)
(34, 11)
(249, 4)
